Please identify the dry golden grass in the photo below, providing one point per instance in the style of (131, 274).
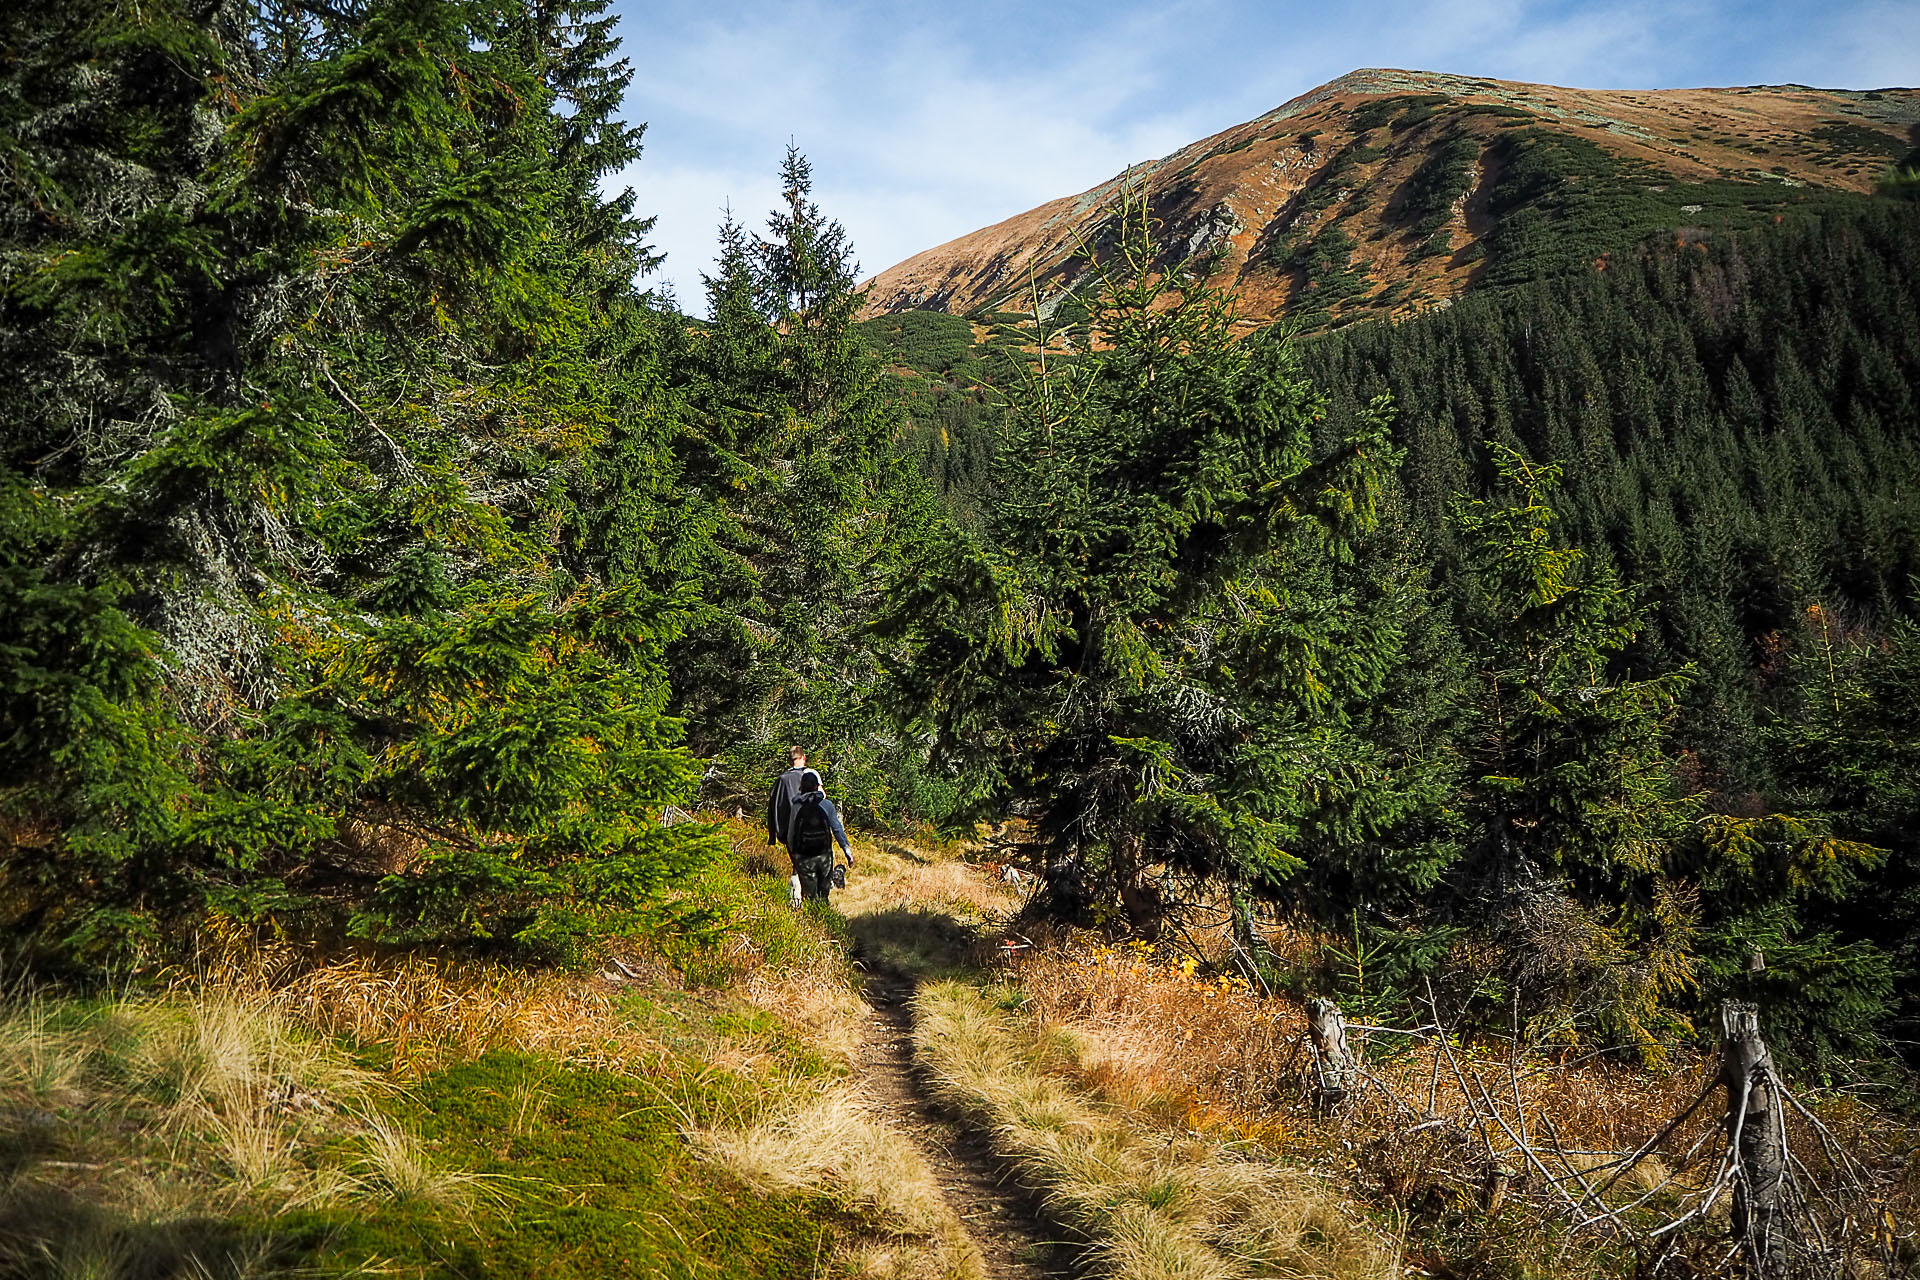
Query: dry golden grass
(1149, 1035)
(815, 1000)
(790, 964)
(828, 1144)
(786, 963)
(176, 1106)
(226, 1094)
(887, 873)
(40, 1060)
(1591, 1105)
(1145, 1033)
(428, 1011)
(1154, 1205)
(1216, 1068)
(883, 880)
(394, 1166)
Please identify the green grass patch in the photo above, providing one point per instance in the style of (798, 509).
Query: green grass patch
(750, 902)
(692, 1023)
(586, 1175)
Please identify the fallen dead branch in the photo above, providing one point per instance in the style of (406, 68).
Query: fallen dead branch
(1751, 1161)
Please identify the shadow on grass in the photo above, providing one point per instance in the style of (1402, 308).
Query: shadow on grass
(26, 1138)
(906, 852)
(917, 944)
(49, 1231)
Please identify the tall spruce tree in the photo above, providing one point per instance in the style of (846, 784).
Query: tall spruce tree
(1575, 804)
(1158, 645)
(1570, 773)
(310, 378)
(791, 516)
(1786, 890)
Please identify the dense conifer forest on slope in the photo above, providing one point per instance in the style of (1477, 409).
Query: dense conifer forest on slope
(1733, 423)
(381, 560)
(1735, 420)
(1736, 423)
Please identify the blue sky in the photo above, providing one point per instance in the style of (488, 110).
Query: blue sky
(926, 121)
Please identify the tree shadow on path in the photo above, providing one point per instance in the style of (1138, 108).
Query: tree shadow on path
(899, 948)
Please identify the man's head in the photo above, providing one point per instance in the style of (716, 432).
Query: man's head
(798, 755)
(809, 781)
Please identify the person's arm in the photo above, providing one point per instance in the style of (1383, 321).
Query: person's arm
(839, 831)
(773, 808)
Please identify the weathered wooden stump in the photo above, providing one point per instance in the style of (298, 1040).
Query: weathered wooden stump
(1335, 1070)
(1758, 1126)
(1494, 1187)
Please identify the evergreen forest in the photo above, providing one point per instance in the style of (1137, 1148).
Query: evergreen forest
(386, 564)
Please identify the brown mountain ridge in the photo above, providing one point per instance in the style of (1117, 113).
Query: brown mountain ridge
(1392, 192)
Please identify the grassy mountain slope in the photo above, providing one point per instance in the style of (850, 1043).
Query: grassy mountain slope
(1392, 192)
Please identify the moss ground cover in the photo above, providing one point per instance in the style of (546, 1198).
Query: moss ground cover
(587, 1175)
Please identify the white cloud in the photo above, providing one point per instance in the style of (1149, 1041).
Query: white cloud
(914, 140)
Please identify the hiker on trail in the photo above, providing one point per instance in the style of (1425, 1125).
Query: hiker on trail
(786, 789)
(812, 829)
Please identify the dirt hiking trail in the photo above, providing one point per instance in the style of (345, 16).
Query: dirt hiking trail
(901, 937)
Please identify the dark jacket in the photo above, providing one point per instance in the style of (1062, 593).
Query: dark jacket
(786, 789)
(833, 820)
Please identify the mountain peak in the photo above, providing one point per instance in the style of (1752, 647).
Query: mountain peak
(1390, 191)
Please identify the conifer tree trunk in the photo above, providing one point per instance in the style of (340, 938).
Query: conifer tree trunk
(1247, 943)
(1139, 896)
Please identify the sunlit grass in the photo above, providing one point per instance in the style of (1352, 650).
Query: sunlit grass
(1151, 1206)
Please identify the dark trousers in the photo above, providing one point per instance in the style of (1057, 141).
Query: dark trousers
(816, 876)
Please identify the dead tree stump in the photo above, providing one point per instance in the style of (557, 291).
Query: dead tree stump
(1758, 1131)
(1334, 1067)
(1494, 1187)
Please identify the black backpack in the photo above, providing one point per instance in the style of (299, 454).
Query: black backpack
(809, 834)
(780, 802)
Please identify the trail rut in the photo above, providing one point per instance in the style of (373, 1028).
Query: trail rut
(1015, 1243)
